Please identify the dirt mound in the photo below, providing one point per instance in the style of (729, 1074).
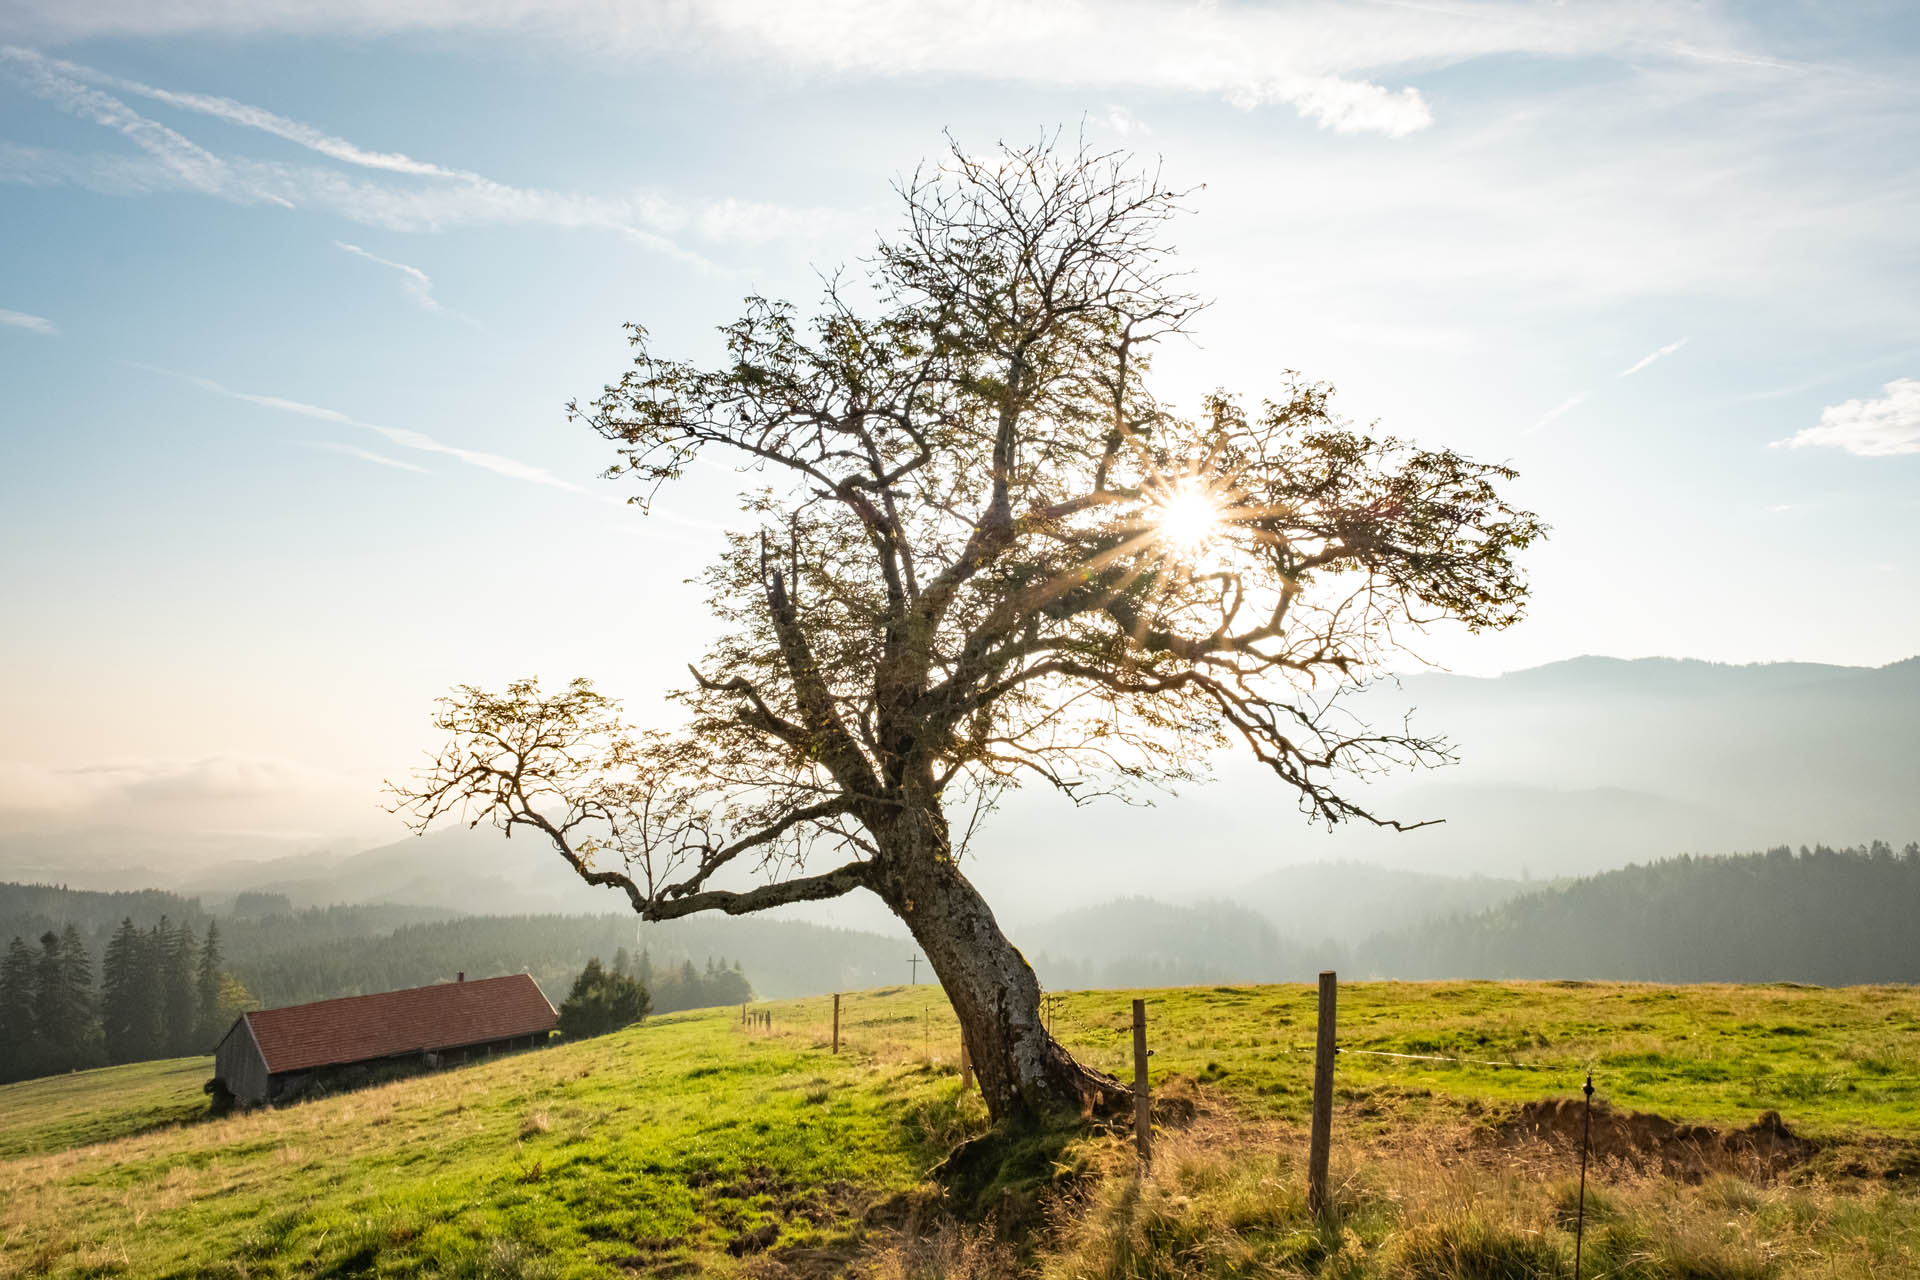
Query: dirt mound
(1642, 1140)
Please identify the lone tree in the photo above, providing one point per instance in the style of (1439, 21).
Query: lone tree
(980, 552)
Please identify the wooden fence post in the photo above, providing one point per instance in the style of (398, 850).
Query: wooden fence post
(836, 1022)
(1322, 1137)
(1142, 1100)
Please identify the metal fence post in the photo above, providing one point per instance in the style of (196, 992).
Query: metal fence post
(1586, 1135)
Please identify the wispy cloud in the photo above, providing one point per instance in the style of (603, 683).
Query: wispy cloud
(417, 283)
(235, 789)
(375, 188)
(24, 320)
(1832, 375)
(242, 114)
(1878, 428)
(365, 455)
(1651, 356)
(1565, 407)
(186, 163)
(1124, 122)
(1326, 62)
(498, 464)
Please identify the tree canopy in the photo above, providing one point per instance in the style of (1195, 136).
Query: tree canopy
(977, 550)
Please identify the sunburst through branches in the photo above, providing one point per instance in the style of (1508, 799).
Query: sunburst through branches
(1187, 516)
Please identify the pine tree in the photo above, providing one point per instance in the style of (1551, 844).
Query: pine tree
(622, 962)
(208, 1029)
(125, 991)
(18, 1039)
(54, 1031)
(176, 953)
(84, 1047)
(156, 1022)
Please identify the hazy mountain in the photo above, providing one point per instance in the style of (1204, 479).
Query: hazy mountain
(110, 857)
(1832, 917)
(1565, 769)
(1138, 942)
(476, 871)
(1598, 762)
(1348, 902)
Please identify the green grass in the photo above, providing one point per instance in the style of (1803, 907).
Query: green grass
(1836, 1062)
(668, 1147)
(57, 1112)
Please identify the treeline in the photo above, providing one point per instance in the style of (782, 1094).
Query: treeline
(783, 958)
(1835, 917)
(162, 993)
(684, 987)
(1141, 942)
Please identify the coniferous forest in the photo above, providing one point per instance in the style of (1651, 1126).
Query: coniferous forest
(162, 992)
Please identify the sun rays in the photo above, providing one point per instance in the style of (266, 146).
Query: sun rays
(1187, 518)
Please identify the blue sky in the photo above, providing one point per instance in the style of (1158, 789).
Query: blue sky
(292, 298)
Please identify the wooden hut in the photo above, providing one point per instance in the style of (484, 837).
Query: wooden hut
(271, 1052)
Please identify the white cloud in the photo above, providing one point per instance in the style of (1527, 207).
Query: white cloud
(417, 283)
(1566, 406)
(24, 320)
(366, 455)
(511, 468)
(406, 195)
(240, 113)
(36, 788)
(1693, 184)
(1322, 60)
(1345, 106)
(1124, 122)
(1879, 428)
(1651, 356)
(498, 464)
(187, 164)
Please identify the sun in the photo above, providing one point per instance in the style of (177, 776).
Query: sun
(1186, 518)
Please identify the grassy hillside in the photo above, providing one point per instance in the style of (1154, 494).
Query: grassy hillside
(56, 1112)
(691, 1144)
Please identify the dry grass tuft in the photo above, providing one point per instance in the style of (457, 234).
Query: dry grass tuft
(1229, 1201)
(953, 1252)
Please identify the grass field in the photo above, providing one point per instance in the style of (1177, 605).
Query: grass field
(691, 1145)
(95, 1106)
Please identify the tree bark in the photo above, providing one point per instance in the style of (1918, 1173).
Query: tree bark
(1025, 1075)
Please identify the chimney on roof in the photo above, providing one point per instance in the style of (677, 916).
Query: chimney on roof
(460, 976)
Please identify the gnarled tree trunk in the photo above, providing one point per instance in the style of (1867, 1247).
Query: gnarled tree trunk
(1025, 1075)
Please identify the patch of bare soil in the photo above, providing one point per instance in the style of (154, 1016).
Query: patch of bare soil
(1643, 1140)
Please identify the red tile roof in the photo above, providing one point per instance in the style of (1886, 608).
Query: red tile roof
(419, 1019)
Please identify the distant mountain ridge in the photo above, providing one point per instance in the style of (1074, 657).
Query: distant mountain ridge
(1824, 916)
(1566, 769)
(1598, 762)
